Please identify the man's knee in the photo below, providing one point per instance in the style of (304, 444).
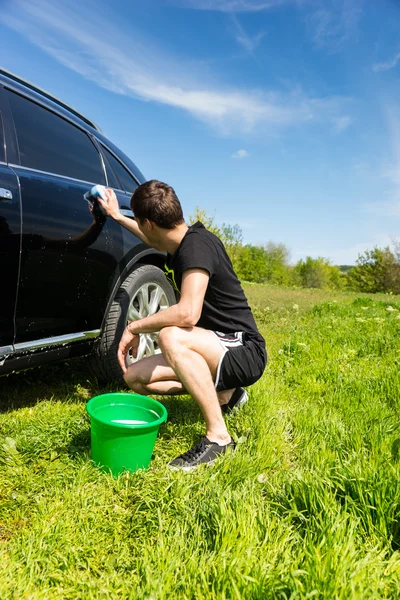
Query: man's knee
(170, 338)
(138, 388)
(134, 378)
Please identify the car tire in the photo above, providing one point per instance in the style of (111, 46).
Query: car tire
(145, 291)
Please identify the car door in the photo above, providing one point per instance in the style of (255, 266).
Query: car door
(69, 254)
(124, 185)
(10, 242)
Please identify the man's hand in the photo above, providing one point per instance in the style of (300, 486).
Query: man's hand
(111, 207)
(128, 341)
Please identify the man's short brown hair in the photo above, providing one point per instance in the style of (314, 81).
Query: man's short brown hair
(157, 202)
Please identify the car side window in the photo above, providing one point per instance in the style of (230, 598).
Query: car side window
(48, 142)
(128, 183)
(111, 178)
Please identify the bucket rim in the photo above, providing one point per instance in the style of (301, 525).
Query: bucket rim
(152, 424)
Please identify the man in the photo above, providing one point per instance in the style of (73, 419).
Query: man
(210, 345)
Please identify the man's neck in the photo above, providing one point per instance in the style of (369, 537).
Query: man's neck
(173, 238)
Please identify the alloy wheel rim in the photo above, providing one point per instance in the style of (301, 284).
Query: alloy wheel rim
(148, 300)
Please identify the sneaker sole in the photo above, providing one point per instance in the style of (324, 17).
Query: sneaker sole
(188, 469)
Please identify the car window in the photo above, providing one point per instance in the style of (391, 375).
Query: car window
(2, 153)
(111, 178)
(128, 183)
(49, 143)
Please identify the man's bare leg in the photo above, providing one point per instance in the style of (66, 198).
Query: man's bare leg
(192, 355)
(175, 388)
(224, 396)
(152, 375)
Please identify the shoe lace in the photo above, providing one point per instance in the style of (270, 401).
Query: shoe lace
(196, 451)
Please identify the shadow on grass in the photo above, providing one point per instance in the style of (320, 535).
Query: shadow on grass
(70, 382)
(79, 444)
(59, 381)
(182, 410)
(63, 381)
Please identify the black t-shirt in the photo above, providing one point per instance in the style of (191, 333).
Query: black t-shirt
(225, 307)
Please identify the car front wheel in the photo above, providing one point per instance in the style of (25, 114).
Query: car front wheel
(144, 292)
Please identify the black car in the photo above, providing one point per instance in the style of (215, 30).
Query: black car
(70, 278)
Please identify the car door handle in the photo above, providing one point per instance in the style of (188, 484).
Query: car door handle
(5, 194)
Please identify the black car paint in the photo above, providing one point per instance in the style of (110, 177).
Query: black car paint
(68, 259)
(10, 239)
(61, 263)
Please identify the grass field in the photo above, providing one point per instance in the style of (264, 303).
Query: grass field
(307, 507)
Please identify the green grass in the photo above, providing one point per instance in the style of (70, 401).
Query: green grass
(307, 507)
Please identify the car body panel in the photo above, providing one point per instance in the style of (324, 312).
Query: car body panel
(68, 258)
(20, 360)
(61, 260)
(10, 242)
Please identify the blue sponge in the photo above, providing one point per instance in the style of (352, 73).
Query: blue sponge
(96, 192)
(99, 190)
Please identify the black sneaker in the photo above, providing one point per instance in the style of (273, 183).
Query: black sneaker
(238, 399)
(203, 453)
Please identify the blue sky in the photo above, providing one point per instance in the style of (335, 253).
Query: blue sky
(282, 116)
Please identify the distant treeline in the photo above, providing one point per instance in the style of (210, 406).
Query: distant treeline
(377, 270)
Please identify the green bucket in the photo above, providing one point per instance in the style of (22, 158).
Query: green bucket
(124, 429)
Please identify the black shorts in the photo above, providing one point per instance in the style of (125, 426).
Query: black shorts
(243, 361)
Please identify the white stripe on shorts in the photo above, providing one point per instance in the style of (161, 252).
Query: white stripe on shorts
(227, 342)
(230, 341)
(219, 367)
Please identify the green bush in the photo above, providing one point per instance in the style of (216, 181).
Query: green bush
(377, 270)
(318, 273)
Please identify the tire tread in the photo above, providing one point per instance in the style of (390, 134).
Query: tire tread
(103, 362)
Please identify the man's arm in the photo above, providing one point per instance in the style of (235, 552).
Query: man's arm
(111, 208)
(184, 314)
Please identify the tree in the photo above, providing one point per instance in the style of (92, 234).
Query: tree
(318, 273)
(377, 270)
(277, 256)
(252, 264)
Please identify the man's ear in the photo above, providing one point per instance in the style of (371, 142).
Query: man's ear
(149, 224)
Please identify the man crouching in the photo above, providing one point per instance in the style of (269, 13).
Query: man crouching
(209, 342)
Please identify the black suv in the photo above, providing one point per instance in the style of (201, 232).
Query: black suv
(70, 278)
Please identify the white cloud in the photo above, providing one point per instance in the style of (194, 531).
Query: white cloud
(333, 23)
(386, 66)
(125, 62)
(240, 154)
(231, 6)
(342, 123)
(248, 42)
